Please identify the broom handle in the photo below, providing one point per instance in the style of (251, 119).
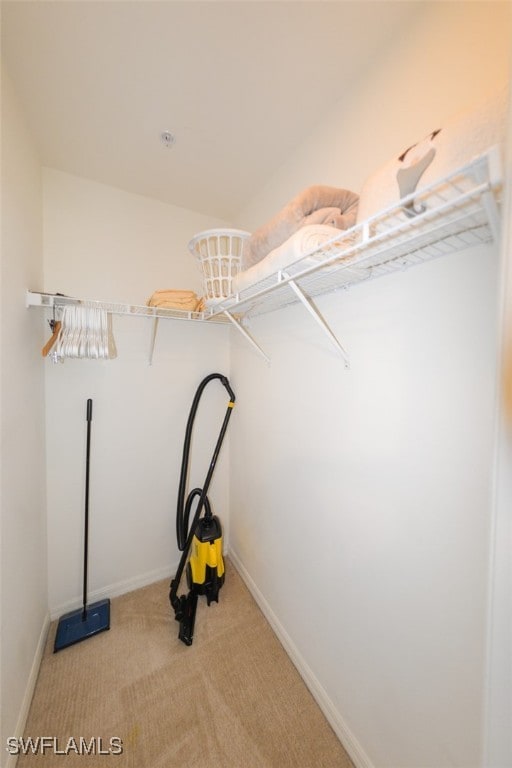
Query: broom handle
(86, 524)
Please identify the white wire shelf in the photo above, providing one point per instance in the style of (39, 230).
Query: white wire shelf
(57, 301)
(454, 213)
(457, 212)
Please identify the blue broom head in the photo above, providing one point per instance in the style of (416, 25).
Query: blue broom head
(82, 623)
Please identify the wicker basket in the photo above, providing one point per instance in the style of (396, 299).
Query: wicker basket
(219, 252)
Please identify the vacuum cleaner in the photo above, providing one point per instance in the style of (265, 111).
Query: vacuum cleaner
(201, 541)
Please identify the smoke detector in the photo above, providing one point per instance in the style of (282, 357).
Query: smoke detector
(167, 138)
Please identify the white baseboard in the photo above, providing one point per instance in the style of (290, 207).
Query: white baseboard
(120, 588)
(347, 738)
(116, 589)
(29, 689)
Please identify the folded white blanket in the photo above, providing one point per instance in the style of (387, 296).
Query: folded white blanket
(315, 205)
(304, 241)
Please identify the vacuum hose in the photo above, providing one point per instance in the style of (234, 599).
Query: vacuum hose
(184, 530)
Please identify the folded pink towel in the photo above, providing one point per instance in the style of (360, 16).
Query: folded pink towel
(315, 205)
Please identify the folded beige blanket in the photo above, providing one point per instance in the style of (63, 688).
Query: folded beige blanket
(315, 205)
(176, 299)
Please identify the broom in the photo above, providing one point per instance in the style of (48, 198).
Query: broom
(89, 620)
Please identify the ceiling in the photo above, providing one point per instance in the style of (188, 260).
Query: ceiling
(238, 84)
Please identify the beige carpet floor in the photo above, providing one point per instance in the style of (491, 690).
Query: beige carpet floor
(231, 700)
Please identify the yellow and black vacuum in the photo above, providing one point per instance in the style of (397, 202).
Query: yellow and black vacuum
(201, 541)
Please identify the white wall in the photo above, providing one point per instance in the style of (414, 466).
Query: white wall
(23, 607)
(428, 73)
(498, 742)
(102, 243)
(361, 499)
